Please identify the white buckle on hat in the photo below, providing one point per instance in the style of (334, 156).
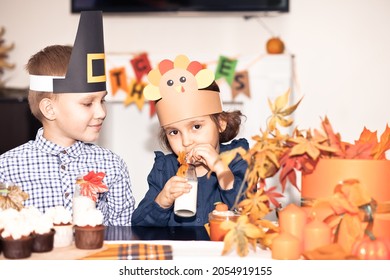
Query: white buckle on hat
(43, 83)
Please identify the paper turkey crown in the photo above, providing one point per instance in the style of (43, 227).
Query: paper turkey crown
(175, 86)
(86, 69)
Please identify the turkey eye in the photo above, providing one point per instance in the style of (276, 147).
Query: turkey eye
(170, 83)
(183, 79)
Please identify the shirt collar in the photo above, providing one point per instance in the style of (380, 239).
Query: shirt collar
(51, 148)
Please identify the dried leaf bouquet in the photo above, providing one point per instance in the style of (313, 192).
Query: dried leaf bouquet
(284, 155)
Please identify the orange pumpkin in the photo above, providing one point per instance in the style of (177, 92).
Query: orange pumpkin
(275, 46)
(372, 248)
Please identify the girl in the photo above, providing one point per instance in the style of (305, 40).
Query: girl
(192, 121)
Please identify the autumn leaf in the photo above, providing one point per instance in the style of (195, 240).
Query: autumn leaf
(291, 164)
(310, 145)
(273, 195)
(334, 139)
(270, 229)
(92, 184)
(354, 192)
(255, 204)
(360, 150)
(266, 241)
(267, 225)
(383, 146)
(367, 136)
(13, 197)
(228, 156)
(181, 158)
(241, 235)
(280, 110)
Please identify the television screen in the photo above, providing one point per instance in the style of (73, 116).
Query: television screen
(180, 6)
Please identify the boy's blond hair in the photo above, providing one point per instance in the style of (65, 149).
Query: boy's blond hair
(51, 61)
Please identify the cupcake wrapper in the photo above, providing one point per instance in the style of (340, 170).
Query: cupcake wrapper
(43, 242)
(17, 249)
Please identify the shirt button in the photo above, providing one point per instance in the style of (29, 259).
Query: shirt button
(63, 167)
(64, 152)
(198, 220)
(67, 194)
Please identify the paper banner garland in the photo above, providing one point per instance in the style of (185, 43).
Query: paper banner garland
(134, 95)
(141, 66)
(118, 80)
(225, 69)
(241, 84)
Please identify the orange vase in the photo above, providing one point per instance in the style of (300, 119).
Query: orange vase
(374, 175)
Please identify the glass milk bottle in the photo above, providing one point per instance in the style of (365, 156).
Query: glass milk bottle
(185, 205)
(81, 203)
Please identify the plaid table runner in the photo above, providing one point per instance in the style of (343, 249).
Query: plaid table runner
(133, 252)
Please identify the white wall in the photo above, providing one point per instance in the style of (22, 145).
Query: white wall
(341, 51)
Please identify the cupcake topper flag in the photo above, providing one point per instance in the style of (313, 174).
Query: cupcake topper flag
(174, 85)
(86, 69)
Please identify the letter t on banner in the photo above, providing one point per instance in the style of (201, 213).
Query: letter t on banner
(226, 68)
(118, 80)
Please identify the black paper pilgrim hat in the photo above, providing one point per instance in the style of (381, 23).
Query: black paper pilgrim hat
(86, 69)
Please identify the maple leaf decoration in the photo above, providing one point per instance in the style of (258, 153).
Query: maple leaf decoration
(280, 110)
(92, 184)
(255, 205)
(241, 234)
(347, 204)
(13, 197)
(181, 158)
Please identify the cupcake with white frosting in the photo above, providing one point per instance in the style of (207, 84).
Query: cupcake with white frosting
(88, 220)
(16, 235)
(44, 234)
(42, 228)
(89, 228)
(62, 224)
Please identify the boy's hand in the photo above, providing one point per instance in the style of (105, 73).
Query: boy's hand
(173, 188)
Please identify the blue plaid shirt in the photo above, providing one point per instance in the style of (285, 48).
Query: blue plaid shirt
(48, 172)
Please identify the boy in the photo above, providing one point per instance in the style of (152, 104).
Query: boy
(71, 109)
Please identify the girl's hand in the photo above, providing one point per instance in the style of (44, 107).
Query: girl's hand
(205, 154)
(209, 157)
(173, 188)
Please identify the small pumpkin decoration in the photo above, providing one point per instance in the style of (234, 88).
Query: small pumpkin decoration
(275, 46)
(372, 248)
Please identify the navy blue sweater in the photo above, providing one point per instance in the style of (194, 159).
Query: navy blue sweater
(149, 213)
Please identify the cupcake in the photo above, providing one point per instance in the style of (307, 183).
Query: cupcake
(62, 224)
(88, 220)
(13, 245)
(16, 235)
(42, 229)
(44, 233)
(89, 229)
